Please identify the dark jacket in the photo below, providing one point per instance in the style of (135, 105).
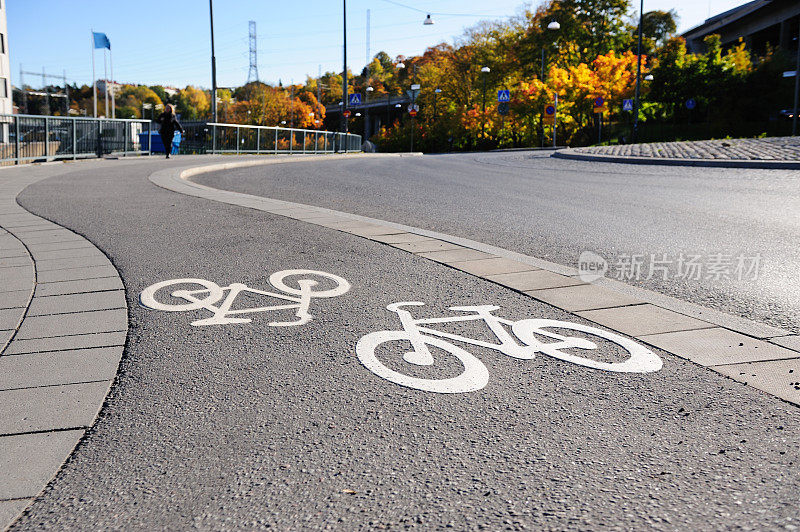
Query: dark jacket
(168, 123)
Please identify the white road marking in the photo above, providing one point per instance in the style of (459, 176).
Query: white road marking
(211, 293)
(417, 334)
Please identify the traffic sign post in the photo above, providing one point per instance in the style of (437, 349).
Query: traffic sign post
(347, 113)
(503, 96)
(502, 108)
(355, 99)
(627, 105)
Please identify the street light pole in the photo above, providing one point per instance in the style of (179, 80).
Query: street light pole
(344, 62)
(638, 75)
(485, 71)
(796, 86)
(435, 94)
(213, 66)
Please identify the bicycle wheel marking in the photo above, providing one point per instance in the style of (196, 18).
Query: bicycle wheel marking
(219, 300)
(529, 337)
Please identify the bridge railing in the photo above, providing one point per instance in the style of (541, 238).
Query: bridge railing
(32, 138)
(29, 138)
(235, 138)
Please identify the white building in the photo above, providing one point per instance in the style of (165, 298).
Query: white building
(114, 88)
(5, 72)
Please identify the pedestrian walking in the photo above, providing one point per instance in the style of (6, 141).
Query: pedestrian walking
(168, 123)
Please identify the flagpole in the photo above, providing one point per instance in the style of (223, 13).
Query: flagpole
(105, 75)
(94, 79)
(111, 65)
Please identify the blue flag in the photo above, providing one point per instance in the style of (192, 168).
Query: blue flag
(101, 40)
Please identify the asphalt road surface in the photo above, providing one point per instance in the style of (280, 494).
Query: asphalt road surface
(248, 426)
(556, 209)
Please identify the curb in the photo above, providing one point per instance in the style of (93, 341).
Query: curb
(757, 355)
(571, 153)
(63, 325)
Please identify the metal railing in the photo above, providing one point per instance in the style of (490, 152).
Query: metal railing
(235, 138)
(33, 138)
(29, 138)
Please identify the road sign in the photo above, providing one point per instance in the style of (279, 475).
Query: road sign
(347, 113)
(413, 93)
(599, 101)
(691, 104)
(413, 107)
(503, 96)
(413, 112)
(627, 105)
(416, 87)
(355, 99)
(502, 108)
(549, 114)
(601, 109)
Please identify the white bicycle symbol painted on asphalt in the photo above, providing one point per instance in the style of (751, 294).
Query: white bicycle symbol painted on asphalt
(210, 293)
(475, 375)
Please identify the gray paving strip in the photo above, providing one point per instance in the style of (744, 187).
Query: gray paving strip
(705, 336)
(63, 324)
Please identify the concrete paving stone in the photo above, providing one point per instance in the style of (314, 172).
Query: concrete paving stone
(792, 341)
(346, 224)
(36, 247)
(712, 347)
(76, 262)
(76, 274)
(400, 238)
(59, 367)
(66, 343)
(583, 297)
(5, 336)
(39, 222)
(69, 253)
(15, 299)
(29, 461)
(9, 318)
(780, 378)
(495, 266)
(426, 245)
(10, 510)
(76, 323)
(640, 320)
(371, 231)
(68, 406)
(47, 237)
(10, 262)
(75, 287)
(320, 217)
(456, 255)
(17, 278)
(113, 299)
(33, 229)
(533, 280)
(15, 252)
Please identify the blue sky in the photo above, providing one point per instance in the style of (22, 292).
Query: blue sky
(156, 42)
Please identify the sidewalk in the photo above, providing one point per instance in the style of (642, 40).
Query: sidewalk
(63, 323)
(768, 153)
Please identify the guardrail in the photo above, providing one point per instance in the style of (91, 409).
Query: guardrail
(235, 138)
(28, 138)
(31, 138)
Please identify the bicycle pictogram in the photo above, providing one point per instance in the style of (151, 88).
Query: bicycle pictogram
(530, 337)
(211, 293)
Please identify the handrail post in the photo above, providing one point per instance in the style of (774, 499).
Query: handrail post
(74, 139)
(291, 140)
(304, 142)
(213, 139)
(238, 135)
(258, 140)
(16, 138)
(46, 138)
(276, 141)
(125, 134)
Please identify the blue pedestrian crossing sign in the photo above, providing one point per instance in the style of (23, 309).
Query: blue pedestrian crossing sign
(627, 105)
(503, 96)
(355, 99)
(691, 103)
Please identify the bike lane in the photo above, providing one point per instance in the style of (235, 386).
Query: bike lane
(247, 425)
